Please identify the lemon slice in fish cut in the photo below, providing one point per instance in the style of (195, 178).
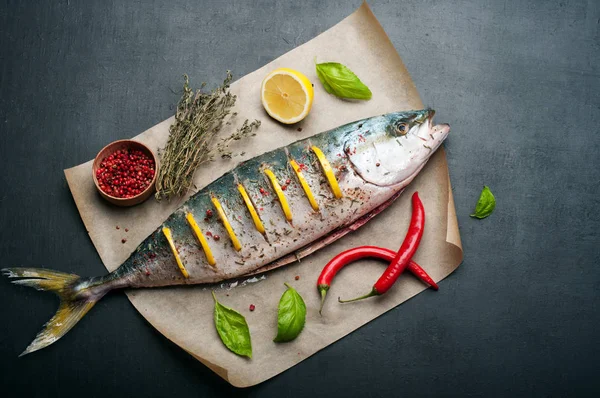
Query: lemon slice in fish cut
(337, 192)
(280, 195)
(167, 232)
(234, 240)
(255, 218)
(304, 185)
(203, 242)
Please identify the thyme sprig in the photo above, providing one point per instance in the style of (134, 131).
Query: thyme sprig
(198, 120)
(245, 131)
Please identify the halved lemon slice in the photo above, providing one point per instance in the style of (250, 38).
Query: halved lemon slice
(287, 95)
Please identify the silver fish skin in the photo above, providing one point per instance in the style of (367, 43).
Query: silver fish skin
(373, 160)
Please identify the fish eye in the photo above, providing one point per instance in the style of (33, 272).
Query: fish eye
(401, 128)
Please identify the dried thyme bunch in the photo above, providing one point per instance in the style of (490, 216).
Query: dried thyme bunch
(198, 120)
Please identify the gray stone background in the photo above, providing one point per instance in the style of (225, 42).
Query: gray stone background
(517, 80)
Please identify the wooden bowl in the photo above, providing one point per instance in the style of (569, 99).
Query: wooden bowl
(113, 147)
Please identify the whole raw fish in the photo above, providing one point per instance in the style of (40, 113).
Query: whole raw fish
(265, 213)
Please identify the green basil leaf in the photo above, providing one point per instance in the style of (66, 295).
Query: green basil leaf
(291, 316)
(485, 205)
(340, 81)
(233, 329)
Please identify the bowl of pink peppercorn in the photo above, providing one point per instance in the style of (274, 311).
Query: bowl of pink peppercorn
(125, 172)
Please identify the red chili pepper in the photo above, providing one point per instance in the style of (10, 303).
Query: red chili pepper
(406, 252)
(357, 253)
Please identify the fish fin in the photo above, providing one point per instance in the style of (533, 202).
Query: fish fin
(40, 273)
(75, 300)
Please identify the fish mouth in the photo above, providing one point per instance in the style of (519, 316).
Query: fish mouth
(442, 129)
(429, 115)
(438, 133)
(427, 131)
(435, 134)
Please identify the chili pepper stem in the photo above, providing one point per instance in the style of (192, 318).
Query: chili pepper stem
(323, 289)
(372, 293)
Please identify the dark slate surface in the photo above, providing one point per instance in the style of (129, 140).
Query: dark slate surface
(518, 82)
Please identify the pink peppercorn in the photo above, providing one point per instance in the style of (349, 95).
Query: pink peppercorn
(125, 173)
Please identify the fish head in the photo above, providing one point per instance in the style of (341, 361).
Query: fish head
(390, 149)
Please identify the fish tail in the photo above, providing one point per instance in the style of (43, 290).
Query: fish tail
(77, 296)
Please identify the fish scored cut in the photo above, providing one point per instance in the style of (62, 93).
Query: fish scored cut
(280, 195)
(253, 213)
(234, 239)
(328, 172)
(304, 185)
(203, 242)
(167, 232)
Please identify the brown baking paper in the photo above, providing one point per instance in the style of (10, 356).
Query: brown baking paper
(185, 314)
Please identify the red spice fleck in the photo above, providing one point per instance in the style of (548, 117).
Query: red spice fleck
(261, 209)
(297, 277)
(123, 240)
(125, 173)
(377, 164)
(302, 166)
(147, 271)
(288, 181)
(126, 230)
(117, 227)
(209, 213)
(252, 307)
(152, 255)
(216, 237)
(208, 233)
(361, 138)
(262, 191)
(284, 187)
(299, 128)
